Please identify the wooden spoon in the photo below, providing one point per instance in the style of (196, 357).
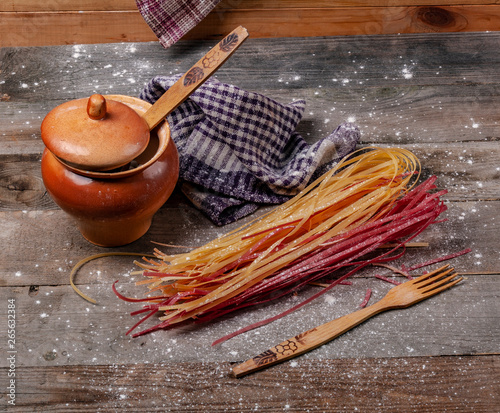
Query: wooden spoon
(137, 126)
(195, 77)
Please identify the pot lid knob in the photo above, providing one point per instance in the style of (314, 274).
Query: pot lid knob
(96, 107)
(95, 134)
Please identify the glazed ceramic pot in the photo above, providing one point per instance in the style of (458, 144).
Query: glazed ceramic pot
(108, 172)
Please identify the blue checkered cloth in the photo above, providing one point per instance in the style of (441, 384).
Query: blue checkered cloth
(239, 149)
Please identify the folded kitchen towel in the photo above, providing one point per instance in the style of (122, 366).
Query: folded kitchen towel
(239, 149)
(172, 19)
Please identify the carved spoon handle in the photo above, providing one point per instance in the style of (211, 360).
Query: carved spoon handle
(195, 77)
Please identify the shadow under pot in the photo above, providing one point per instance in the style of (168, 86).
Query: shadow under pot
(105, 168)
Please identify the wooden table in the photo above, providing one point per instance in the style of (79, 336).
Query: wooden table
(435, 94)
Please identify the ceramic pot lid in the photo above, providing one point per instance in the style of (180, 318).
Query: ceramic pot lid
(95, 134)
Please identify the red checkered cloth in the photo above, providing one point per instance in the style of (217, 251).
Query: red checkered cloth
(172, 19)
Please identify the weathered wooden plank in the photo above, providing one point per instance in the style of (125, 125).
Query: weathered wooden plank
(397, 115)
(263, 4)
(351, 21)
(70, 27)
(66, 5)
(468, 172)
(471, 224)
(22, 231)
(328, 62)
(373, 61)
(50, 28)
(120, 5)
(412, 384)
(339, 63)
(393, 92)
(76, 332)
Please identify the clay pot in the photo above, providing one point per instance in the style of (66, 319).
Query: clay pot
(112, 207)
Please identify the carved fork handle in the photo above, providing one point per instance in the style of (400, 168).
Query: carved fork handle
(308, 340)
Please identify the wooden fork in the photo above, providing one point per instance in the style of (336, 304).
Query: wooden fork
(401, 296)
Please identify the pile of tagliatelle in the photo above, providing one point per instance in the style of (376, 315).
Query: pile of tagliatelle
(361, 212)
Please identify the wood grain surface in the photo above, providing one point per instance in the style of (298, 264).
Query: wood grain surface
(55, 22)
(434, 94)
(410, 384)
